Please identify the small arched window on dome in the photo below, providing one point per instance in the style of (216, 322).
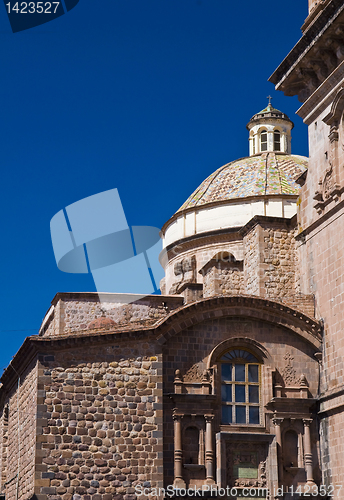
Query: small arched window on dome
(253, 144)
(277, 140)
(240, 387)
(264, 141)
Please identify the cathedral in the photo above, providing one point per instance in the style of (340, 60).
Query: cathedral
(230, 383)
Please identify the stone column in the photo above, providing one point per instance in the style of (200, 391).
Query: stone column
(308, 450)
(277, 423)
(209, 451)
(178, 453)
(201, 447)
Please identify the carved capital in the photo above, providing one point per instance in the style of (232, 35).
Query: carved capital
(277, 421)
(177, 417)
(307, 421)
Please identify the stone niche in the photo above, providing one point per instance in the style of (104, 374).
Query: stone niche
(223, 275)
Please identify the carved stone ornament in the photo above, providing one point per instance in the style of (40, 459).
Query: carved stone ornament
(194, 374)
(327, 188)
(288, 372)
(246, 464)
(185, 271)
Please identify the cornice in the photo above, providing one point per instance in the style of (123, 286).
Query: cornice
(231, 201)
(264, 219)
(246, 306)
(321, 220)
(315, 56)
(322, 97)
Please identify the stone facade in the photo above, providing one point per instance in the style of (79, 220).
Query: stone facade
(321, 205)
(96, 406)
(234, 376)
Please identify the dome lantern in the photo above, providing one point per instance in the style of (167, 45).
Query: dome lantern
(270, 131)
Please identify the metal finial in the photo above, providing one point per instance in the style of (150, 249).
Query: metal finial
(269, 97)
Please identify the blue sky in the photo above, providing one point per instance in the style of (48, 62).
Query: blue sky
(147, 96)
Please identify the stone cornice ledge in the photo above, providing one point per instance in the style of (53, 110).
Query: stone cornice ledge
(322, 97)
(284, 75)
(247, 306)
(321, 220)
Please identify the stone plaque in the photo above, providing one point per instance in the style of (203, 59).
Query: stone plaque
(245, 472)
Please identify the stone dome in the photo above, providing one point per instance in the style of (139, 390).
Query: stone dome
(264, 174)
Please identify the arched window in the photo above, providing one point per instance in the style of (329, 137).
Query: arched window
(240, 387)
(264, 141)
(277, 141)
(253, 142)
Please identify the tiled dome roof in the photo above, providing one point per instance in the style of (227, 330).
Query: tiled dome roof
(101, 322)
(259, 175)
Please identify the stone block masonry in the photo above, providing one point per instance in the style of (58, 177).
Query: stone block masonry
(18, 434)
(90, 419)
(96, 430)
(101, 434)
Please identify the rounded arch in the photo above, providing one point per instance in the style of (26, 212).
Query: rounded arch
(243, 342)
(263, 140)
(277, 138)
(224, 256)
(246, 306)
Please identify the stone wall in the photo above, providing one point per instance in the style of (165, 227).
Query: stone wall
(331, 439)
(251, 260)
(280, 255)
(203, 250)
(323, 261)
(72, 312)
(223, 278)
(3, 446)
(271, 261)
(102, 433)
(18, 459)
